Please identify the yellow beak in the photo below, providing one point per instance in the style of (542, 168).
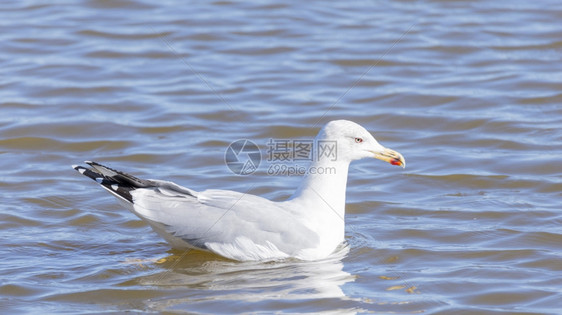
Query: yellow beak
(391, 157)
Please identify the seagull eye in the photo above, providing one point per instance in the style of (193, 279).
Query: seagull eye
(358, 140)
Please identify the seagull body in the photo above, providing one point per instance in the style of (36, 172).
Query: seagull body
(241, 226)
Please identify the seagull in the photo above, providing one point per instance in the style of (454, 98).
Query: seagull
(241, 226)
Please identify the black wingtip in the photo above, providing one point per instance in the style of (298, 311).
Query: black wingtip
(88, 173)
(79, 168)
(111, 184)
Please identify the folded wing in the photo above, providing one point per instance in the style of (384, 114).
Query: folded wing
(232, 224)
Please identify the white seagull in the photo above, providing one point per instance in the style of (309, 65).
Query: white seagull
(240, 226)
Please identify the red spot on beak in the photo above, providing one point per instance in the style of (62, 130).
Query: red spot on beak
(395, 162)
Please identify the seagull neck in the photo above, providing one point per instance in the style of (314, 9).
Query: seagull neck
(324, 184)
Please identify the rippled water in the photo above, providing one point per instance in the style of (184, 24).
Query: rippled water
(468, 91)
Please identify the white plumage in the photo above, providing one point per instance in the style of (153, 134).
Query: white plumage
(308, 226)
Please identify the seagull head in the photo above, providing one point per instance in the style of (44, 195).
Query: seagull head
(353, 142)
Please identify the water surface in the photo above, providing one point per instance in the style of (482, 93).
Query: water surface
(468, 91)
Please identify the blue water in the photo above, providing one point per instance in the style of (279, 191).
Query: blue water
(468, 91)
